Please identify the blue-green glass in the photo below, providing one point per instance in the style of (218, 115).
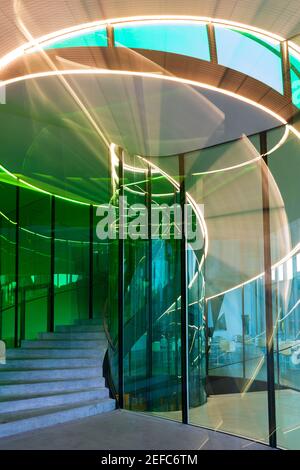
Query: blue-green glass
(295, 79)
(250, 55)
(188, 39)
(91, 39)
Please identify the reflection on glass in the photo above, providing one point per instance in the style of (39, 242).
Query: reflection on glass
(295, 76)
(92, 39)
(188, 39)
(34, 261)
(8, 262)
(71, 262)
(258, 58)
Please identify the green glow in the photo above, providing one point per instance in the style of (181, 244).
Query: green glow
(188, 39)
(90, 39)
(295, 79)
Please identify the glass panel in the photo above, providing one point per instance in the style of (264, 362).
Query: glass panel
(7, 262)
(251, 55)
(165, 298)
(234, 394)
(71, 278)
(188, 39)
(34, 261)
(295, 76)
(136, 302)
(91, 39)
(284, 166)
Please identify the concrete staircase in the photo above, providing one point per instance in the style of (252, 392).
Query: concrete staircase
(54, 379)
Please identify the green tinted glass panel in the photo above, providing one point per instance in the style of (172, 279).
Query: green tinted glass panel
(91, 39)
(34, 261)
(185, 39)
(7, 262)
(71, 262)
(250, 55)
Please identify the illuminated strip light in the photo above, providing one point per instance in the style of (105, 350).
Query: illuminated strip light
(184, 81)
(70, 32)
(144, 75)
(161, 77)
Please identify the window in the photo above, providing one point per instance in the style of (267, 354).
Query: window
(188, 39)
(250, 55)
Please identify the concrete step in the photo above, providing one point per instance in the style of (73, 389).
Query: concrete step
(16, 423)
(53, 400)
(27, 376)
(78, 328)
(49, 388)
(94, 321)
(69, 335)
(58, 363)
(64, 344)
(48, 353)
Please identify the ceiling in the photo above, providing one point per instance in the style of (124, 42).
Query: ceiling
(40, 17)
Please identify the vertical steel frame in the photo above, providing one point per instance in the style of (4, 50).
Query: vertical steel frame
(17, 265)
(150, 313)
(270, 331)
(184, 297)
(121, 253)
(212, 43)
(51, 302)
(91, 263)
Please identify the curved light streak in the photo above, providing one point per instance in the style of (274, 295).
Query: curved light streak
(274, 266)
(138, 74)
(95, 71)
(66, 33)
(256, 159)
(160, 77)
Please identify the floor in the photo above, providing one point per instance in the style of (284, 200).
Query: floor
(123, 430)
(247, 415)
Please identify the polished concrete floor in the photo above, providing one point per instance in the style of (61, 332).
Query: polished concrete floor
(123, 430)
(246, 414)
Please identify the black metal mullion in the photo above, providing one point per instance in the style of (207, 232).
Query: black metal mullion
(17, 264)
(184, 297)
(91, 263)
(51, 302)
(121, 253)
(150, 312)
(268, 292)
(243, 332)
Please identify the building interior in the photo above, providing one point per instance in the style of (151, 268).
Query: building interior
(193, 105)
